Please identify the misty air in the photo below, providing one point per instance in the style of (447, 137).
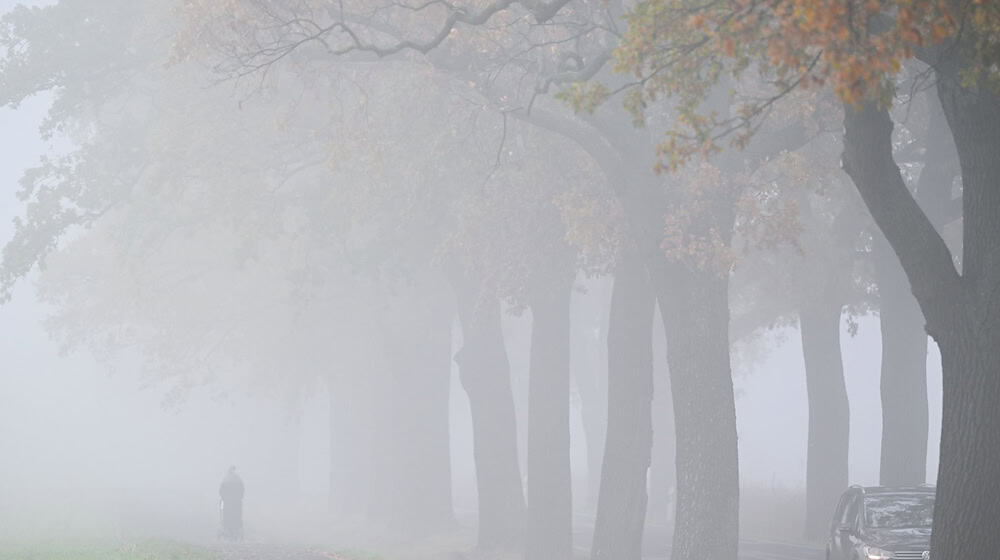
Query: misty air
(499, 280)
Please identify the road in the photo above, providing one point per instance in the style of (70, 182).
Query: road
(749, 550)
(769, 550)
(656, 546)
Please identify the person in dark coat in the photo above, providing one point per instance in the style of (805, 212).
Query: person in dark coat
(231, 495)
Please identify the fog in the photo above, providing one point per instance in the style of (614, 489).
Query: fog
(501, 280)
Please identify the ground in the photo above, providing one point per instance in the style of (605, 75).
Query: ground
(174, 550)
(171, 550)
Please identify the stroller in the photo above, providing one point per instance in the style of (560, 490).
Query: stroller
(230, 521)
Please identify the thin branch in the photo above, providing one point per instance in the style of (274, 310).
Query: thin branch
(503, 142)
(268, 54)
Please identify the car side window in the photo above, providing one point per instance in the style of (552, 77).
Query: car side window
(851, 512)
(838, 514)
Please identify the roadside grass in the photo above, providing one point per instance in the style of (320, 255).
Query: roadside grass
(102, 550)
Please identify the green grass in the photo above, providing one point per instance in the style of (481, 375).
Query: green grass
(145, 550)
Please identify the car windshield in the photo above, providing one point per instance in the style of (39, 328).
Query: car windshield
(897, 511)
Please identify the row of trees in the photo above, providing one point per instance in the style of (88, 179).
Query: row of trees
(364, 172)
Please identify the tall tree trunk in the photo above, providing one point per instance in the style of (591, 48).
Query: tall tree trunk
(967, 511)
(550, 504)
(485, 376)
(694, 307)
(829, 415)
(904, 374)
(621, 508)
(904, 338)
(693, 302)
(695, 311)
(961, 309)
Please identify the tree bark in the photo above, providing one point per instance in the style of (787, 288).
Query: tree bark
(967, 511)
(904, 374)
(920, 249)
(485, 375)
(829, 416)
(695, 311)
(550, 504)
(961, 311)
(621, 508)
(904, 338)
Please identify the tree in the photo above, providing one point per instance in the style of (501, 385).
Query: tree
(904, 341)
(377, 223)
(248, 188)
(485, 375)
(535, 268)
(277, 32)
(818, 277)
(859, 46)
(622, 499)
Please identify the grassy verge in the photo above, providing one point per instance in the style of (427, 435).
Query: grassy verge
(61, 550)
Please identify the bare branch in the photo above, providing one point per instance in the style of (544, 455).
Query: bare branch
(292, 33)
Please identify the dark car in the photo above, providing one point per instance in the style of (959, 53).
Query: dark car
(881, 523)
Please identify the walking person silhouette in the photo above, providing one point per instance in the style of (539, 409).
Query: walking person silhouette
(231, 506)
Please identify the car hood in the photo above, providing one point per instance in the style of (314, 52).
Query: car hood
(892, 539)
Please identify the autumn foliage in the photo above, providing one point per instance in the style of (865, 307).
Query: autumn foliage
(684, 49)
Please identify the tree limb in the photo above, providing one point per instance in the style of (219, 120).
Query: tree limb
(925, 257)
